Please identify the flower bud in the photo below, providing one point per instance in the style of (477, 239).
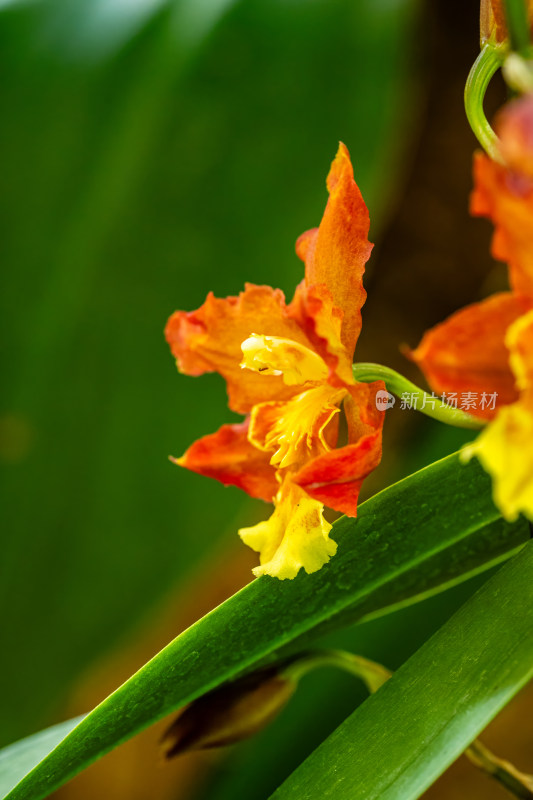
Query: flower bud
(228, 714)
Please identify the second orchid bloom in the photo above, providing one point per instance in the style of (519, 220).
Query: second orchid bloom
(488, 346)
(288, 369)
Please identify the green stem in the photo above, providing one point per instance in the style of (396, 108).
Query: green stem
(372, 674)
(429, 404)
(506, 774)
(517, 19)
(485, 66)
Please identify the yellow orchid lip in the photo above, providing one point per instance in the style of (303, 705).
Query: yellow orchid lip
(516, 335)
(295, 536)
(274, 355)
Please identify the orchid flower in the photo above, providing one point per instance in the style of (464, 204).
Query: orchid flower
(288, 369)
(488, 346)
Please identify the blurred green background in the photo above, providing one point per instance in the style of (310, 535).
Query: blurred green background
(151, 151)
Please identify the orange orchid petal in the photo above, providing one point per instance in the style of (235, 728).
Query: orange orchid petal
(209, 340)
(335, 478)
(362, 414)
(335, 254)
(467, 352)
(228, 456)
(306, 243)
(312, 307)
(507, 199)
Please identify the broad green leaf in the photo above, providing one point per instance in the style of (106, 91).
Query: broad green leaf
(429, 530)
(400, 740)
(19, 758)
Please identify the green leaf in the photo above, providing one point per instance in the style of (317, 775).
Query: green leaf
(428, 531)
(22, 756)
(401, 739)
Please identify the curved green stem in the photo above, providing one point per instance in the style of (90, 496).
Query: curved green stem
(372, 674)
(485, 66)
(428, 404)
(516, 782)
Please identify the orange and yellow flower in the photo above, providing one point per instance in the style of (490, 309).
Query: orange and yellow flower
(288, 369)
(488, 346)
